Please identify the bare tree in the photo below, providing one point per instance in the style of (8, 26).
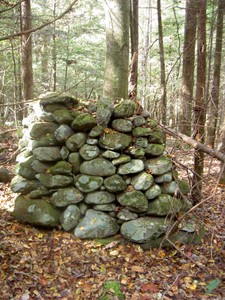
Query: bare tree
(199, 108)
(188, 66)
(215, 91)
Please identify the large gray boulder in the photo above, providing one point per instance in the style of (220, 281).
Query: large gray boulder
(144, 229)
(47, 153)
(40, 129)
(96, 224)
(164, 205)
(37, 212)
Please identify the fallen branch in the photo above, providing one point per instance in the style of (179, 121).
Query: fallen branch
(199, 146)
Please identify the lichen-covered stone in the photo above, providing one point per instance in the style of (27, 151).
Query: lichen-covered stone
(96, 224)
(40, 129)
(88, 183)
(164, 205)
(154, 150)
(98, 167)
(134, 166)
(75, 160)
(58, 99)
(134, 200)
(122, 125)
(115, 141)
(142, 181)
(110, 154)
(25, 168)
(104, 111)
(76, 141)
(141, 131)
(62, 116)
(37, 212)
(121, 160)
(139, 121)
(23, 186)
(126, 215)
(63, 132)
(96, 131)
(54, 181)
(153, 192)
(124, 109)
(136, 152)
(5, 175)
(40, 166)
(105, 207)
(184, 186)
(99, 197)
(159, 165)
(39, 192)
(70, 217)
(45, 141)
(66, 196)
(61, 167)
(167, 177)
(89, 152)
(83, 122)
(47, 153)
(144, 229)
(115, 183)
(141, 142)
(171, 188)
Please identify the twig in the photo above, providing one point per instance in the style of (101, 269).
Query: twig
(170, 287)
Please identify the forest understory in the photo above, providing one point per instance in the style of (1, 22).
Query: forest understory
(42, 264)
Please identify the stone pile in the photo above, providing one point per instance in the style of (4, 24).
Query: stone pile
(96, 175)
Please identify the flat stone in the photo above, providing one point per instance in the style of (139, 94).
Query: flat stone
(171, 188)
(115, 184)
(96, 224)
(88, 183)
(122, 125)
(47, 153)
(115, 141)
(126, 215)
(54, 181)
(167, 177)
(60, 99)
(154, 150)
(83, 122)
(40, 129)
(88, 152)
(98, 167)
(23, 186)
(25, 168)
(141, 131)
(104, 111)
(61, 167)
(105, 207)
(110, 154)
(62, 116)
(40, 166)
(138, 121)
(99, 197)
(96, 131)
(134, 166)
(135, 201)
(121, 160)
(48, 140)
(66, 196)
(141, 142)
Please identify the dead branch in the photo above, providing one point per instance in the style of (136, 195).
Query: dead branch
(197, 145)
(8, 37)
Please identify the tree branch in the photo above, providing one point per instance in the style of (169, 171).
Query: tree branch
(8, 37)
(197, 145)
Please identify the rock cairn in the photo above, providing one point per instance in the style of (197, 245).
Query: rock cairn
(95, 171)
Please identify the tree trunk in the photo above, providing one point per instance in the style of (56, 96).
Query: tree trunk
(133, 76)
(117, 49)
(162, 66)
(188, 66)
(222, 149)
(214, 99)
(26, 52)
(54, 57)
(199, 109)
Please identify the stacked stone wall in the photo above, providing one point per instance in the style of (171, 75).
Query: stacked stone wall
(96, 175)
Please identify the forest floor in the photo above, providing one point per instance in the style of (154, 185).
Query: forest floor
(37, 263)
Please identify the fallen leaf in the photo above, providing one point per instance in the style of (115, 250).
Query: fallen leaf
(137, 269)
(149, 287)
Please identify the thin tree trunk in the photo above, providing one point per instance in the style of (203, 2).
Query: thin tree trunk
(162, 66)
(188, 67)
(214, 101)
(199, 109)
(26, 53)
(54, 62)
(133, 76)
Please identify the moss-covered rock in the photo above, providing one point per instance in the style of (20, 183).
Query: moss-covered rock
(83, 122)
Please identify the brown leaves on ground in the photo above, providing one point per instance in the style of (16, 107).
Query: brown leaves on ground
(36, 263)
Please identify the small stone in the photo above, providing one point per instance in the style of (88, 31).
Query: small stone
(47, 153)
(66, 196)
(134, 166)
(138, 121)
(70, 217)
(105, 207)
(83, 122)
(154, 150)
(54, 181)
(61, 167)
(167, 177)
(115, 141)
(126, 215)
(23, 186)
(76, 141)
(141, 142)
(63, 133)
(75, 160)
(62, 116)
(96, 131)
(141, 131)
(87, 183)
(142, 181)
(40, 129)
(153, 192)
(115, 184)
(122, 125)
(121, 160)
(159, 165)
(99, 197)
(98, 167)
(4, 175)
(124, 109)
(135, 201)
(88, 152)
(110, 154)
(92, 142)
(164, 205)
